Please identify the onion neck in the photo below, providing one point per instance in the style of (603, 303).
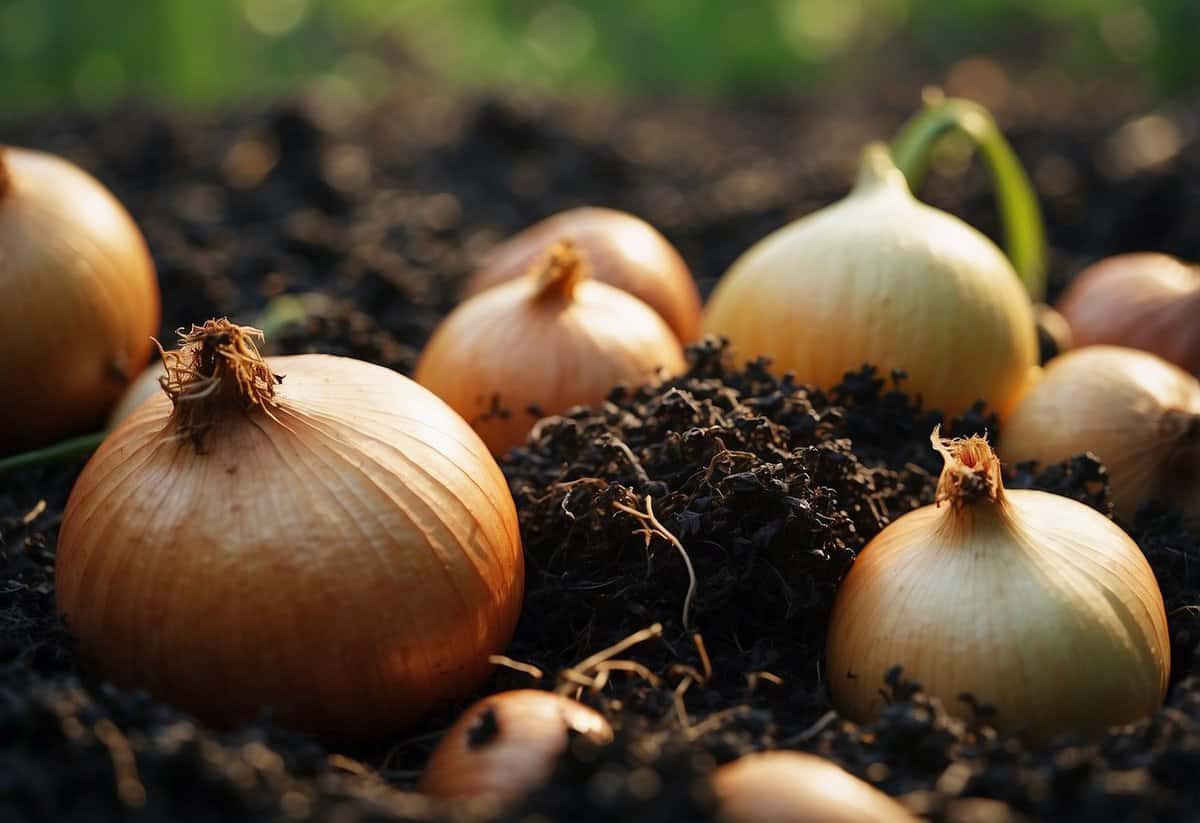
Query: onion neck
(217, 369)
(558, 275)
(878, 171)
(971, 474)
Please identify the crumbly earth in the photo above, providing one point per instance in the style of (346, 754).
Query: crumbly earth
(374, 217)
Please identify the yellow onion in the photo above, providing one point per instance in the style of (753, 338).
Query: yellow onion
(792, 787)
(312, 534)
(880, 278)
(144, 386)
(539, 345)
(1139, 414)
(506, 745)
(1033, 604)
(625, 251)
(1144, 301)
(78, 299)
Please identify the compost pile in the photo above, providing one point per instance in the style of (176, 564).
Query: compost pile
(375, 216)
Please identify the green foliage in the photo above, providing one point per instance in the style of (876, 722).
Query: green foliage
(208, 51)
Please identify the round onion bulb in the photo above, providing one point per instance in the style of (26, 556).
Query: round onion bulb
(1144, 301)
(1139, 414)
(506, 745)
(79, 299)
(1033, 604)
(882, 279)
(313, 534)
(793, 787)
(625, 251)
(539, 345)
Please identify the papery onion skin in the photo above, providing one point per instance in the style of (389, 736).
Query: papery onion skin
(880, 278)
(1144, 300)
(143, 387)
(1139, 414)
(1034, 604)
(350, 559)
(79, 299)
(553, 339)
(625, 251)
(792, 787)
(506, 745)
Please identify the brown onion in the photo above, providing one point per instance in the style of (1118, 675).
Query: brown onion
(625, 251)
(79, 299)
(1136, 412)
(539, 345)
(792, 787)
(313, 534)
(1145, 301)
(504, 746)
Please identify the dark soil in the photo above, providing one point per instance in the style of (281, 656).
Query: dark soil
(771, 488)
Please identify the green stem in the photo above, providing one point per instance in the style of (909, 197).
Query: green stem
(1024, 232)
(61, 452)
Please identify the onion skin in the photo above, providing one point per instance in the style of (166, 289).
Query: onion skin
(1034, 604)
(625, 251)
(792, 787)
(79, 299)
(350, 558)
(1136, 412)
(882, 279)
(1144, 300)
(504, 746)
(553, 339)
(143, 387)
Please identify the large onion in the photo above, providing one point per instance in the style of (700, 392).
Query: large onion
(792, 787)
(339, 546)
(78, 299)
(1138, 413)
(1034, 604)
(553, 339)
(882, 279)
(625, 251)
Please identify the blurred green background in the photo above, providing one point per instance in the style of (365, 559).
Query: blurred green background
(206, 52)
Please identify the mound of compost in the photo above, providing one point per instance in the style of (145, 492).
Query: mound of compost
(745, 489)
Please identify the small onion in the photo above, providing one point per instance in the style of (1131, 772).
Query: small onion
(539, 345)
(1136, 412)
(1145, 301)
(338, 545)
(504, 746)
(625, 251)
(79, 299)
(882, 279)
(793, 787)
(1034, 604)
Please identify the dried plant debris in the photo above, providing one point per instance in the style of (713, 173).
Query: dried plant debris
(357, 228)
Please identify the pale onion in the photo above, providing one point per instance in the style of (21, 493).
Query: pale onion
(79, 299)
(625, 251)
(539, 345)
(144, 386)
(1145, 301)
(506, 745)
(792, 787)
(1034, 604)
(882, 279)
(334, 543)
(1139, 414)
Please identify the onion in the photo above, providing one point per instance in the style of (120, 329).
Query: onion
(145, 385)
(881, 278)
(1138, 413)
(506, 745)
(625, 251)
(792, 787)
(1034, 604)
(337, 545)
(539, 345)
(78, 299)
(1144, 301)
